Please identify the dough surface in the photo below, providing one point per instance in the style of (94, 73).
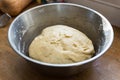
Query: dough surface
(60, 44)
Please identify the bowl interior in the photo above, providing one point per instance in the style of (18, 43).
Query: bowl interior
(30, 24)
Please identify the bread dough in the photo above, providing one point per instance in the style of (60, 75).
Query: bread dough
(60, 44)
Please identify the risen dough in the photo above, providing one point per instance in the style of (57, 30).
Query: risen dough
(60, 44)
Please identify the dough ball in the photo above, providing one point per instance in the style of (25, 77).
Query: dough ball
(60, 44)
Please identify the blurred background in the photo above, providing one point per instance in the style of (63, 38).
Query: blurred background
(109, 8)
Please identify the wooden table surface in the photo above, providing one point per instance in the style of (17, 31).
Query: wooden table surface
(14, 67)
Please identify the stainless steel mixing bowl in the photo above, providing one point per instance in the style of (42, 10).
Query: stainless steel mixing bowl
(30, 23)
